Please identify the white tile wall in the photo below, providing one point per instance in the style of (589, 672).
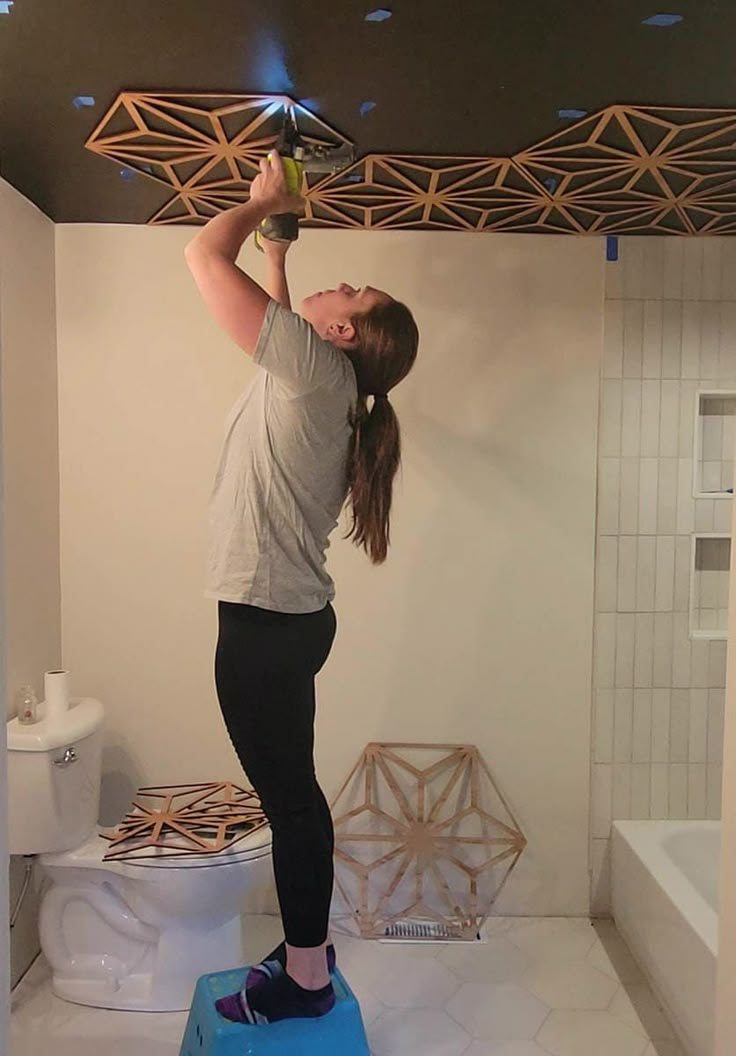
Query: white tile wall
(658, 694)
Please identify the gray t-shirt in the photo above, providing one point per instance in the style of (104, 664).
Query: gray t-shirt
(281, 480)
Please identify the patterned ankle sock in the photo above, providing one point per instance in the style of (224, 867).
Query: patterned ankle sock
(273, 996)
(279, 954)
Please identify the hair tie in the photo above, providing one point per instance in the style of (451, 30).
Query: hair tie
(380, 395)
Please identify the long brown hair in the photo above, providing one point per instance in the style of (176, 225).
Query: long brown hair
(385, 349)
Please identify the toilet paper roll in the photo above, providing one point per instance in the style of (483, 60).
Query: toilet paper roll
(56, 692)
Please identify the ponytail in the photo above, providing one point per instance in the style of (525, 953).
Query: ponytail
(386, 347)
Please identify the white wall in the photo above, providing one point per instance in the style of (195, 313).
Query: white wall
(478, 629)
(29, 518)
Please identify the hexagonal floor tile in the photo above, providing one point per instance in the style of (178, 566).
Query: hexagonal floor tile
(502, 1011)
(505, 1048)
(636, 1006)
(580, 1033)
(553, 938)
(425, 983)
(572, 984)
(494, 961)
(417, 1033)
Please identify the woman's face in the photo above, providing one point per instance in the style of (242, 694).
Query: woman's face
(331, 309)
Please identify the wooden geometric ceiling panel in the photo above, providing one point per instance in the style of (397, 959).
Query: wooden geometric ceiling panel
(422, 847)
(624, 170)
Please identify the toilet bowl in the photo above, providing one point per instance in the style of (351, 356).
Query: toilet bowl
(138, 935)
(136, 929)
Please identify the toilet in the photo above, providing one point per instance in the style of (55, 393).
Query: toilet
(130, 933)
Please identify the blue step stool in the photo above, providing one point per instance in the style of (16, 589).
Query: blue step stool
(338, 1033)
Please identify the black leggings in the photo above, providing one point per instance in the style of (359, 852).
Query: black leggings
(265, 664)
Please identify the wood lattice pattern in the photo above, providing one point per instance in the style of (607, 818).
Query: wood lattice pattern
(185, 820)
(622, 170)
(418, 842)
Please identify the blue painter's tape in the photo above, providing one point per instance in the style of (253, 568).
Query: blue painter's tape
(5, 6)
(354, 177)
(128, 174)
(378, 16)
(365, 108)
(551, 183)
(662, 20)
(572, 113)
(83, 100)
(612, 248)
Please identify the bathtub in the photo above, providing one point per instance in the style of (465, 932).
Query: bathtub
(664, 891)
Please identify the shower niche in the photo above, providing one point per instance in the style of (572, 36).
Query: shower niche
(715, 438)
(710, 565)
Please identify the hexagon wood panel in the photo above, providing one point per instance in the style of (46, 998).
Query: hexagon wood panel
(422, 833)
(173, 821)
(622, 170)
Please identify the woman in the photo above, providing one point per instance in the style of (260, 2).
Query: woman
(299, 442)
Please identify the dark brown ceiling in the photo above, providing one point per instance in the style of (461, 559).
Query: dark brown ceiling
(480, 77)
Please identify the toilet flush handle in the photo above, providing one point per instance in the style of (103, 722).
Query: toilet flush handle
(69, 757)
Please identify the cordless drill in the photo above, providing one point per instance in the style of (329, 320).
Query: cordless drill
(298, 157)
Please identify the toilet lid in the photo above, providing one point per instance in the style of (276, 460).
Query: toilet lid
(91, 853)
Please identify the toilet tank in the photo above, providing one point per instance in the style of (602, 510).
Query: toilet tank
(54, 775)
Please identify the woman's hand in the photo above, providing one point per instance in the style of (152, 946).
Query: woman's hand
(269, 187)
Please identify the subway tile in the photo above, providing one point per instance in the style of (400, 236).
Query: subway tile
(629, 497)
(606, 573)
(641, 791)
(727, 344)
(688, 403)
(679, 725)
(645, 581)
(705, 515)
(641, 747)
(674, 252)
(663, 648)
(710, 326)
(631, 417)
(678, 790)
(665, 573)
(643, 649)
(625, 625)
(667, 496)
(605, 649)
(669, 423)
(717, 664)
(609, 488)
(713, 790)
(621, 805)
(648, 478)
(661, 725)
(600, 881)
(652, 286)
(603, 726)
(681, 650)
(613, 345)
(696, 791)
(691, 312)
(660, 790)
(623, 722)
(634, 266)
(716, 715)
(692, 280)
(683, 552)
(728, 270)
(698, 732)
(685, 502)
(652, 340)
(672, 339)
(712, 268)
(633, 339)
(650, 400)
(699, 662)
(627, 552)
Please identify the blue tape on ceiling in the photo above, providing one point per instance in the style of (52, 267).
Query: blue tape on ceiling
(378, 16)
(551, 183)
(365, 108)
(83, 100)
(5, 6)
(571, 113)
(662, 20)
(127, 174)
(612, 248)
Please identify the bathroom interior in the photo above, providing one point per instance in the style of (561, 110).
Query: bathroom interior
(557, 591)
